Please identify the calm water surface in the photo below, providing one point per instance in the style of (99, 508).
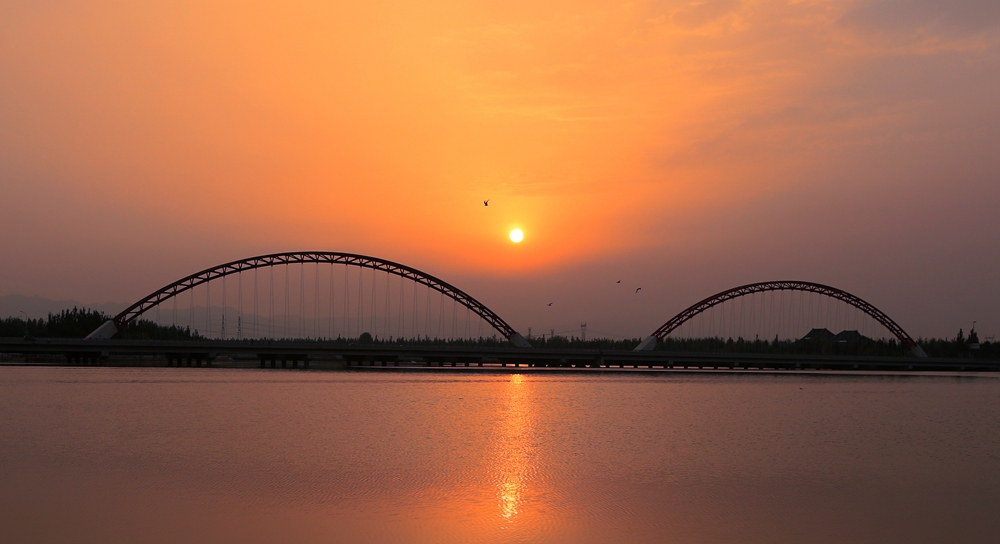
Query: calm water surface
(109, 455)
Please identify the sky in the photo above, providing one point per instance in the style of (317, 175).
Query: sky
(684, 147)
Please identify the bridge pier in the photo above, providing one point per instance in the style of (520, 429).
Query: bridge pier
(84, 358)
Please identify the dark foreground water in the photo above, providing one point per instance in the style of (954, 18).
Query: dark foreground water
(205, 455)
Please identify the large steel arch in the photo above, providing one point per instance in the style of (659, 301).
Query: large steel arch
(155, 298)
(650, 341)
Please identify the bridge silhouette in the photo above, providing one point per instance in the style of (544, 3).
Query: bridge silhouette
(459, 297)
(108, 329)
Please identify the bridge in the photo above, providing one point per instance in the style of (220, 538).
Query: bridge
(319, 355)
(389, 311)
(770, 286)
(187, 284)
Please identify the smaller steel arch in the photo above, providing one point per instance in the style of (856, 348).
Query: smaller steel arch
(351, 259)
(650, 341)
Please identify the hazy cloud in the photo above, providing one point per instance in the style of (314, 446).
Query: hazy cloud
(956, 18)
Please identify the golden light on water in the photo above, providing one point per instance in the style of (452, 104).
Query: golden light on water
(514, 454)
(510, 496)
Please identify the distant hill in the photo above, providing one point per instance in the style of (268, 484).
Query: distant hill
(37, 307)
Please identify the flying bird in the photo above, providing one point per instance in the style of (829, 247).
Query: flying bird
(550, 304)
(637, 289)
(619, 281)
(486, 202)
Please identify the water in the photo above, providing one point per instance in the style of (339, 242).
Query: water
(208, 455)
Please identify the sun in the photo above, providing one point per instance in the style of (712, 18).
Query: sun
(516, 236)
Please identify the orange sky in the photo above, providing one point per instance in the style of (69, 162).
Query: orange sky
(691, 145)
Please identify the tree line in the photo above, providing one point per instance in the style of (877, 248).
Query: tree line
(79, 322)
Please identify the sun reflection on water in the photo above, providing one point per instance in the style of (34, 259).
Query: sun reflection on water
(513, 458)
(509, 497)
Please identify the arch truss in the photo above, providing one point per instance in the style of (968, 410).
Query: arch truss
(736, 292)
(349, 259)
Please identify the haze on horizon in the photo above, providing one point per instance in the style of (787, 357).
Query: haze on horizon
(684, 147)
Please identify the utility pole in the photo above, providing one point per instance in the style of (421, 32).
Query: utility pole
(583, 332)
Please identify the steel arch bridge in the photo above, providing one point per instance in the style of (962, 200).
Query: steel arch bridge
(109, 328)
(659, 334)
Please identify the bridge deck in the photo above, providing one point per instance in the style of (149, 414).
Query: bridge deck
(319, 355)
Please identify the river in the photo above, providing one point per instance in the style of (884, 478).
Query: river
(129, 455)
